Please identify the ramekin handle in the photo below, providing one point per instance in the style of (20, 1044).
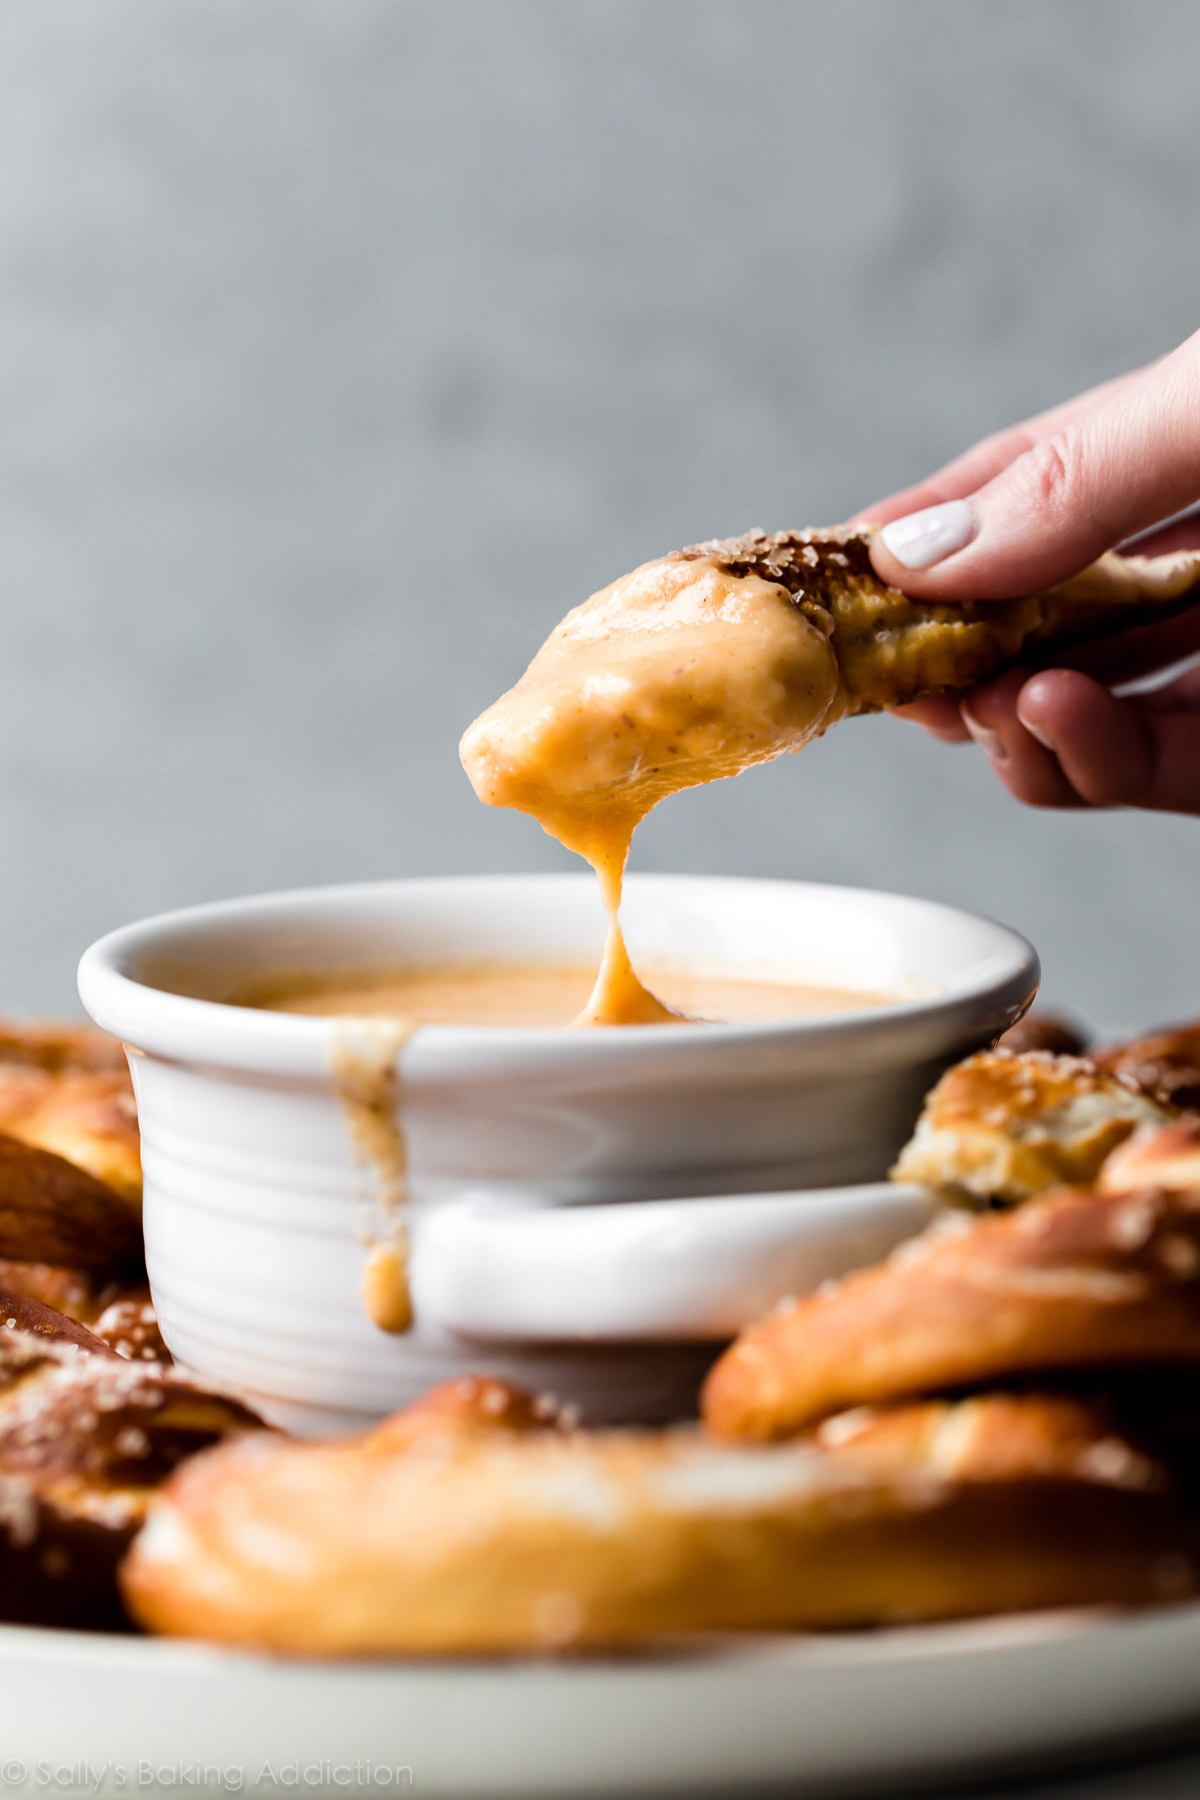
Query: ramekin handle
(693, 1270)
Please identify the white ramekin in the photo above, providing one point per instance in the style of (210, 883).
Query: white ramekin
(253, 1200)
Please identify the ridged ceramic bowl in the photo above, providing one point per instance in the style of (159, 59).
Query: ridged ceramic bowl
(253, 1196)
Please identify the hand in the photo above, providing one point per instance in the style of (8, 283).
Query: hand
(1029, 507)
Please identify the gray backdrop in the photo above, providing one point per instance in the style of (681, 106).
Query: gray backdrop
(344, 343)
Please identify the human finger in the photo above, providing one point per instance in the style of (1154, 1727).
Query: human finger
(986, 459)
(1179, 533)
(1114, 470)
(1116, 752)
(1182, 694)
(941, 716)
(1029, 770)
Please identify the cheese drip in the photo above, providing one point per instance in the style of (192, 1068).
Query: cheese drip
(678, 674)
(362, 1057)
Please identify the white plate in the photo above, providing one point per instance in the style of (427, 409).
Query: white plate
(112, 1715)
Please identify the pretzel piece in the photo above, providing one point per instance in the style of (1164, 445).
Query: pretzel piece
(531, 1539)
(1001, 1127)
(65, 1091)
(469, 1406)
(56, 1047)
(54, 1211)
(892, 649)
(1164, 1157)
(128, 1323)
(85, 1438)
(1165, 1065)
(1071, 1281)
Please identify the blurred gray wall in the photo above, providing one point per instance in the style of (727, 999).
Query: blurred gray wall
(344, 343)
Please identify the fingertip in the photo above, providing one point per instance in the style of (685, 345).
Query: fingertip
(885, 564)
(938, 581)
(1028, 770)
(1052, 704)
(990, 741)
(894, 573)
(920, 540)
(993, 703)
(1097, 739)
(1036, 707)
(891, 570)
(939, 716)
(951, 734)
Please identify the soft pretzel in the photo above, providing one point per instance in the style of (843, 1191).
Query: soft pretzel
(1001, 1127)
(78, 1293)
(128, 1323)
(85, 1437)
(1165, 1065)
(480, 1538)
(56, 1047)
(27, 1317)
(1071, 1281)
(70, 1183)
(53, 1211)
(986, 1437)
(1167, 1156)
(68, 1123)
(118, 1310)
(467, 1406)
(702, 663)
(891, 648)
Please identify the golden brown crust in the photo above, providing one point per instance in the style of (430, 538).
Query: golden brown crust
(991, 1437)
(465, 1407)
(53, 1211)
(1165, 1065)
(1071, 1281)
(21, 1313)
(892, 649)
(1166, 1156)
(87, 1119)
(1002, 1128)
(70, 1184)
(119, 1312)
(57, 1047)
(65, 1091)
(516, 1540)
(77, 1293)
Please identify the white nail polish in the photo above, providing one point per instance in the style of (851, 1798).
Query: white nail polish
(924, 538)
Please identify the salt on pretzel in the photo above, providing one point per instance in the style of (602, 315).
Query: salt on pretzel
(453, 1536)
(1070, 1281)
(1165, 1065)
(1001, 1127)
(70, 1183)
(468, 1406)
(85, 1438)
(119, 1309)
